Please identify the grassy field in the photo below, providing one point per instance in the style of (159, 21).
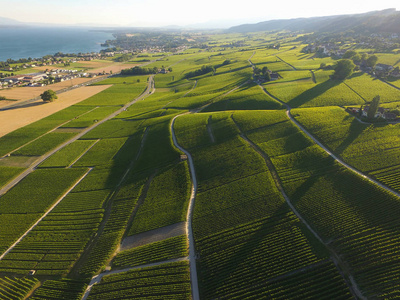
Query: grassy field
(325, 192)
(249, 244)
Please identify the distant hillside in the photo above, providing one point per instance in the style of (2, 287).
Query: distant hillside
(7, 21)
(377, 21)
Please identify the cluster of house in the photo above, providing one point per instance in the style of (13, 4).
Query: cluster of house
(28, 79)
(261, 79)
(36, 79)
(327, 49)
(383, 70)
(383, 113)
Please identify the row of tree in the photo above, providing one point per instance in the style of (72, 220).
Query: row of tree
(139, 71)
(203, 70)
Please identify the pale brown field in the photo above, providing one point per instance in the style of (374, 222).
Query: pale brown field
(13, 119)
(25, 93)
(115, 68)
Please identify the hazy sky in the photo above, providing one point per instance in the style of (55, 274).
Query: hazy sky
(178, 12)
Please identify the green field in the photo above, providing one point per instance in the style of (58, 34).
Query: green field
(274, 216)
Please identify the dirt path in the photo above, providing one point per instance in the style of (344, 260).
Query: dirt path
(189, 216)
(45, 214)
(339, 160)
(313, 76)
(335, 257)
(21, 176)
(293, 67)
(209, 129)
(153, 236)
(97, 278)
(14, 118)
(23, 94)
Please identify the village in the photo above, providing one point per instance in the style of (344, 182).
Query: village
(383, 114)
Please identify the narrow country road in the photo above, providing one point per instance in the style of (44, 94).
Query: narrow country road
(293, 67)
(336, 258)
(45, 214)
(189, 216)
(16, 180)
(97, 278)
(339, 160)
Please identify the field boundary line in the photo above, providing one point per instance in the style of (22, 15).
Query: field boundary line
(354, 91)
(97, 278)
(46, 213)
(189, 216)
(46, 133)
(84, 152)
(29, 170)
(107, 214)
(338, 159)
(334, 256)
(293, 67)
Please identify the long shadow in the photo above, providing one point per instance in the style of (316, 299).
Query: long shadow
(23, 106)
(355, 75)
(355, 129)
(312, 93)
(234, 263)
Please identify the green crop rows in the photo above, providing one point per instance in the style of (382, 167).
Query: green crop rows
(64, 289)
(166, 200)
(16, 288)
(175, 247)
(324, 193)
(249, 243)
(169, 281)
(373, 149)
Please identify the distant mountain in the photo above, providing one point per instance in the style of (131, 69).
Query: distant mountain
(387, 20)
(6, 22)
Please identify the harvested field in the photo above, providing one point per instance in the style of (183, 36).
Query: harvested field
(115, 68)
(26, 93)
(153, 236)
(13, 119)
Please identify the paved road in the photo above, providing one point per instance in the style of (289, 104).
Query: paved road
(21, 176)
(23, 103)
(189, 217)
(96, 279)
(45, 214)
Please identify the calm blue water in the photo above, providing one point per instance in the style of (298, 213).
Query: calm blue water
(36, 42)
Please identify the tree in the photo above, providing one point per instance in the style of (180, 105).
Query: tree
(373, 107)
(371, 61)
(49, 96)
(356, 59)
(349, 54)
(267, 76)
(343, 69)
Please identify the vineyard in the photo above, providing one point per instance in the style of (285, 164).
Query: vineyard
(169, 281)
(195, 183)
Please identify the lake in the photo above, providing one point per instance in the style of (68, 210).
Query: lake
(36, 42)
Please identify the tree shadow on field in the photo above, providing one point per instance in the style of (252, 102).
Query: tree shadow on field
(312, 93)
(356, 128)
(22, 106)
(355, 75)
(237, 263)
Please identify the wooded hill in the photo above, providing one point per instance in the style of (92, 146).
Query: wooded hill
(387, 20)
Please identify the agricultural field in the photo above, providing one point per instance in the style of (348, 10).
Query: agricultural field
(324, 191)
(16, 288)
(371, 148)
(175, 247)
(203, 171)
(169, 281)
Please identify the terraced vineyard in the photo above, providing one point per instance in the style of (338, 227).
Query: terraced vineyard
(324, 192)
(371, 148)
(193, 185)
